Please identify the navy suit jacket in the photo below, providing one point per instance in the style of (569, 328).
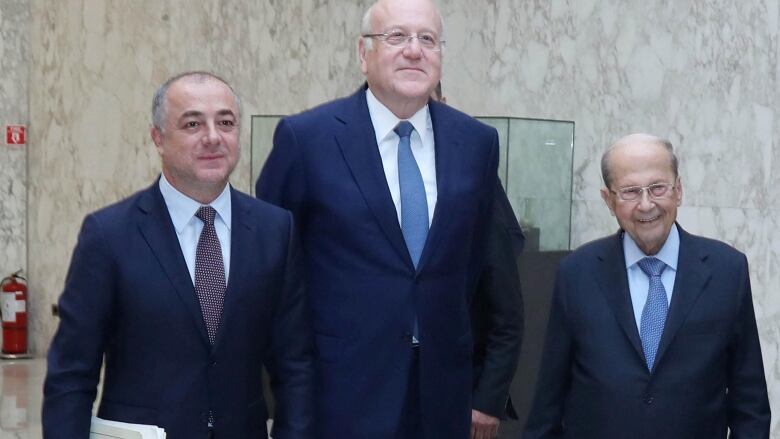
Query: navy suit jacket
(129, 303)
(365, 292)
(497, 313)
(708, 376)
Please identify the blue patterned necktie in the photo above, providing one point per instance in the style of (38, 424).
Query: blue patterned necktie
(209, 272)
(414, 205)
(654, 313)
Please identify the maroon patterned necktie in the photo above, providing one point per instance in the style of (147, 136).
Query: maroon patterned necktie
(209, 272)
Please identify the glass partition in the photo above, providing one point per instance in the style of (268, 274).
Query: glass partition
(535, 166)
(536, 169)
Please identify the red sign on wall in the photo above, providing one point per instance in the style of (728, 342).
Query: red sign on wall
(15, 135)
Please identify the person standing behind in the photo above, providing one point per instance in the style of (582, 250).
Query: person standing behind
(652, 332)
(392, 194)
(496, 317)
(183, 291)
(497, 322)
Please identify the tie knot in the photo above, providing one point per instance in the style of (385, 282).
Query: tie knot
(206, 214)
(652, 266)
(404, 129)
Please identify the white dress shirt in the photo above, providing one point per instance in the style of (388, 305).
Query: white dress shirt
(638, 281)
(422, 144)
(182, 210)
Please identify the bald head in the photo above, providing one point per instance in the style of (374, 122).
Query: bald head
(637, 140)
(161, 95)
(368, 25)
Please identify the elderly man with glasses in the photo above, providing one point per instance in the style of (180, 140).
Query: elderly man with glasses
(392, 195)
(652, 331)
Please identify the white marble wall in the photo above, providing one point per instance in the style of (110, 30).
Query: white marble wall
(14, 68)
(702, 73)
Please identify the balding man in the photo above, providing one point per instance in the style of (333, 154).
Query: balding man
(392, 193)
(652, 332)
(183, 292)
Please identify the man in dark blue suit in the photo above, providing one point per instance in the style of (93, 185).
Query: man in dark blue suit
(652, 332)
(183, 292)
(392, 195)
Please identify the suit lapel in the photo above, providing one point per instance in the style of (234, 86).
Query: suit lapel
(614, 285)
(357, 141)
(447, 143)
(157, 229)
(240, 247)
(692, 276)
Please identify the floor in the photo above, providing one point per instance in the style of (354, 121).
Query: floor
(21, 384)
(21, 389)
(21, 392)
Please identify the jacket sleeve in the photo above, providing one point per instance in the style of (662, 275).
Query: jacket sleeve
(76, 352)
(497, 314)
(747, 400)
(291, 360)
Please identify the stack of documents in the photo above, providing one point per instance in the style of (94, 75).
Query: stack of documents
(103, 429)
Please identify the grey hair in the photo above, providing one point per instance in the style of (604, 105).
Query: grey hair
(606, 173)
(160, 96)
(365, 26)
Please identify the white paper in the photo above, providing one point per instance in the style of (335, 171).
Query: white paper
(104, 429)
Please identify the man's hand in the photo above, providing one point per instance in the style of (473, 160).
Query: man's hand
(483, 426)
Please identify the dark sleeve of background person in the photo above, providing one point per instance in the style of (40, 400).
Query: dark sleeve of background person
(497, 313)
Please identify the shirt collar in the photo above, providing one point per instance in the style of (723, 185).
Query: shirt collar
(669, 253)
(183, 208)
(384, 120)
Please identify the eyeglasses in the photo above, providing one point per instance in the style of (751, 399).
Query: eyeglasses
(654, 191)
(402, 39)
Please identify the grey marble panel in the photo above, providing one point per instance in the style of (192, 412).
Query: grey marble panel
(14, 65)
(262, 141)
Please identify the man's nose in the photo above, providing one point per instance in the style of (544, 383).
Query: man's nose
(413, 48)
(645, 202)
(211, 136)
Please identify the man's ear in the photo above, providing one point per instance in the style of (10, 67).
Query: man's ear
(157, 137)
(679, 192)
(605, 195)
(362, 55)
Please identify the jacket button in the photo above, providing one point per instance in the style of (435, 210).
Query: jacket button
(649, 400)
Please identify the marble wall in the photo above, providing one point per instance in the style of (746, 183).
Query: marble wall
(14, 70)
(702, 73)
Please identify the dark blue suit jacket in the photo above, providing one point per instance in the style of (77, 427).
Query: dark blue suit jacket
(129, 298)
(497, 313)
(326, 168)
(708, 377)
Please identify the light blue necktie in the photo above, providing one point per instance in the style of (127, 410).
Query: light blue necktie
(414, 205)
(651, 326)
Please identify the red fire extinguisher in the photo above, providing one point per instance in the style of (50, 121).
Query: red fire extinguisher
(13, 302)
